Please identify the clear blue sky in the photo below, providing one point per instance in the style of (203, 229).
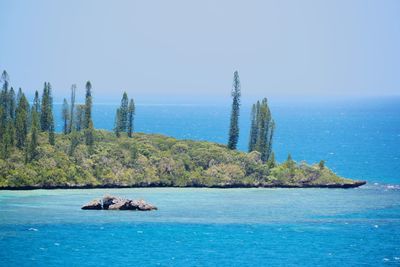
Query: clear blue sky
(186, 51)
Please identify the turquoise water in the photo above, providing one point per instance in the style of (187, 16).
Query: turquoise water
(359, 139)
(203, 227)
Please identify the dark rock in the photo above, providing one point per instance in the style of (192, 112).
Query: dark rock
(138, 205)
(113, 203)
(117, 203)
(92, 205)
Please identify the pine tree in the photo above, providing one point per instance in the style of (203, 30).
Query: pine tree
(80, 115)
(36, 103)
(19, 95)
(32, 148)
(2, 125)
(88, 116)
(22, 121)
(88, 105)
(4, 103)
(8, 139)
(234, 123)
(71, 116)
(45, 108)
(49, 113)
(11, 104)
(123, 116)
(262, 130)
(5, 80)
(253, 129)
(117, 124)
(52, 139)
(65, 116)
(131, 114)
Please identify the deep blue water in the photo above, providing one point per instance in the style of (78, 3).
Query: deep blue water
(359, 139)
(230, 227)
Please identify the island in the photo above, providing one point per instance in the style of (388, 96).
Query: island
(153, 160)
(33, 155)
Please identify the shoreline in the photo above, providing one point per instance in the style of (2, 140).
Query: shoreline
(155, 185)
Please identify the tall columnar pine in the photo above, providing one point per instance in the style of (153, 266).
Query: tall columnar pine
(65, 116)
(44, 126)
(52, 139)
(123, 116)
(262, 130)
(46, 112)
(131, 115)
(22, 121)
(72, 115)
(88, 123)
(4, 102)
(19, 95)
(8, 139)
(88, 105)
(117, 123)
(33, 143)
(234, 123)
(36, 103)
(2, 126)
(11, 104)
(253, 128)
(79, 118)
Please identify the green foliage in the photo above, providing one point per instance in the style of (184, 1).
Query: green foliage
(124, 117)
(65, 115)
(131, 114)
(22, 121)
(88, 105)
(321, 164)
(36, 103)
(253, 129)
(94, 157)
(33, 144)
(71, 125)
(145, 160)
(89, 138)
(117, 123)
(261, 130)
(234, 123)
(80, 116)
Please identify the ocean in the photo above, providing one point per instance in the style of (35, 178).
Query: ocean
(359, 139)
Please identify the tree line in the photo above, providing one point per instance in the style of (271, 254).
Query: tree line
(21, 123)
(261, 129)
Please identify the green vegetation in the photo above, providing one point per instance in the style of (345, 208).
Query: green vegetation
(150, 160)
(124, 116)
(32, 155)
(261, 130)
(234, 124)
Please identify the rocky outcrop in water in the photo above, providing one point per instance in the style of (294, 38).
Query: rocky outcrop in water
(93, 205)
(117, 203)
